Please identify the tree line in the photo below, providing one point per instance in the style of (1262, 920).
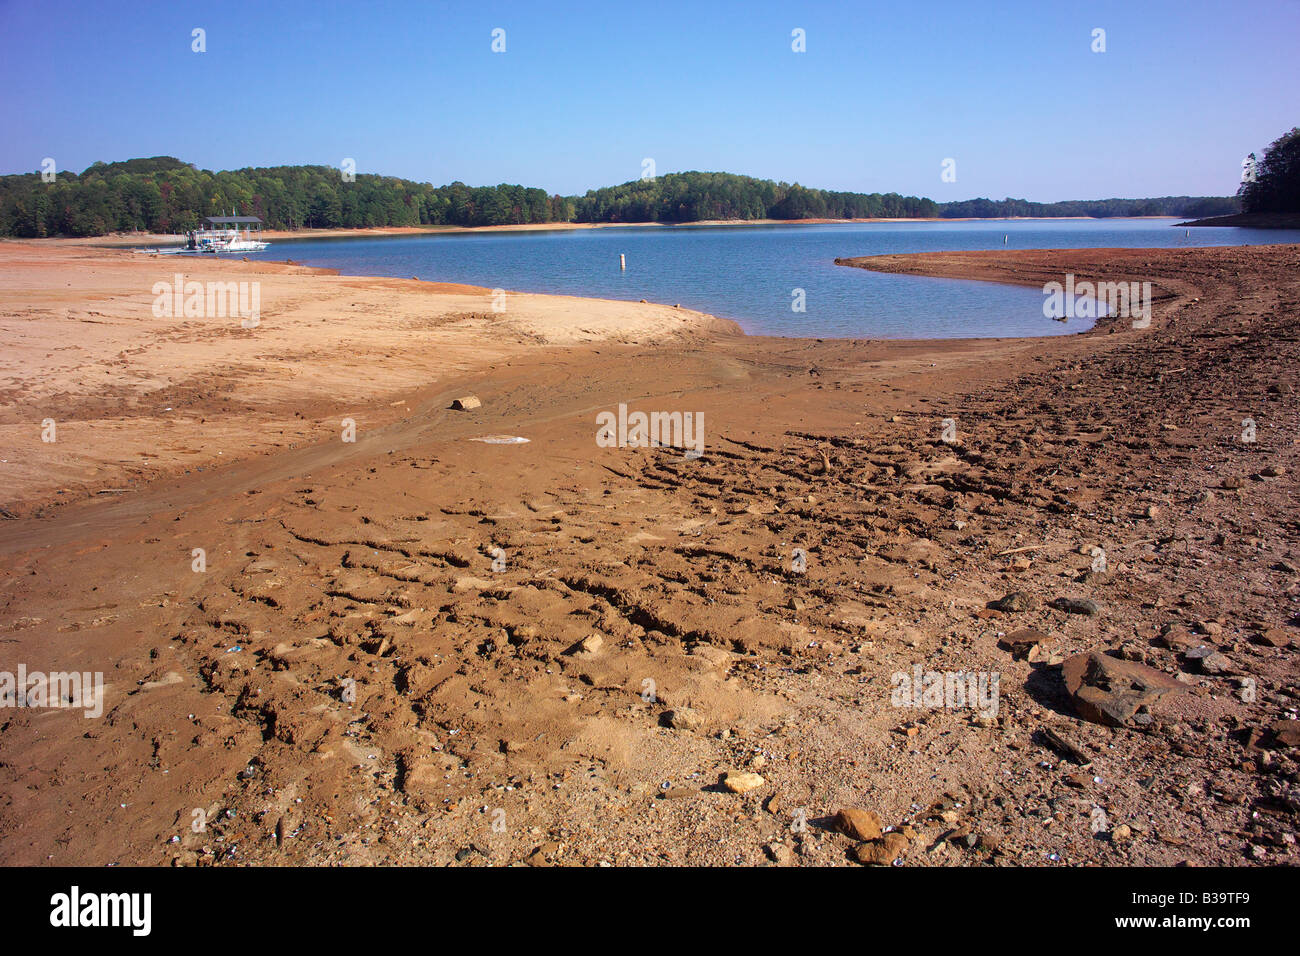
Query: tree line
(165, 195)
(1272, 184)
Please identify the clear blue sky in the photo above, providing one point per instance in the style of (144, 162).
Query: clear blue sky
(584, 92)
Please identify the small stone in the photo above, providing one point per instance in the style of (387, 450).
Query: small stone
(1085, 606)
(741, 781)
(1015, 601)
(1273, 471)
(1023, 643)
(588, 645)
(858, 824)
(881, 852)
(1274, 637)
(1215, 663)
(466, 403)
(684, 718)
(1121, 834)
(779, 853)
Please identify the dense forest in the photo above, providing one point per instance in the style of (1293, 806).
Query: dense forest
(1274, 186)
(693, 197)
(166, 195)
(1182, 206)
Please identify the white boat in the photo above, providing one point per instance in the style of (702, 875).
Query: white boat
(223, 234)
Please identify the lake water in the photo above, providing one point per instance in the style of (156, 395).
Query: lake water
(750, 273)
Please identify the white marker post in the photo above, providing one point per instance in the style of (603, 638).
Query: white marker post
(622, 261)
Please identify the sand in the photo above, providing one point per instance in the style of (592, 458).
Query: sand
(133, 395)
(388, 655)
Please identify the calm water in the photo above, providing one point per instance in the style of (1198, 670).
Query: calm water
(750, 273)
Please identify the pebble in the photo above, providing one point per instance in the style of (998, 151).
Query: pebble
(684, 718)
(1086, 606)
(1015, 601)
(779, 853)
(858, 824)
(1215, 663)
(741, 782)
(881, 852)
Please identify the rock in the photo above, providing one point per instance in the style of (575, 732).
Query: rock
(1177, 638)
(1284, 733)
(676, 793)
(1110, 691)
(588, 646)
(882, 852)
(465, 403)
(716, 656)
(1078, 606)
(1121, 834)
(1273, 471)
(1274, 637)
(779, 853)
(858, 824)
(1015, 601)
(1215, 663)
(1022, 643)
(741, 781)
(543, 855)
(683, 718)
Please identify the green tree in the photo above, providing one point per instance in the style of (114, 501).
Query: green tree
(1276, 186)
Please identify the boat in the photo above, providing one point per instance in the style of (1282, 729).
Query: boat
(223, 234)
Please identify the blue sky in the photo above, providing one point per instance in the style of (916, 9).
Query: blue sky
(585, 91)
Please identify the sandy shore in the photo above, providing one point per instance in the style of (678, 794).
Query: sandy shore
(420, 648)
(134, 395)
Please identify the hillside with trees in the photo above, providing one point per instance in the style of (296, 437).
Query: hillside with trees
(1275, 187)
(165, 195)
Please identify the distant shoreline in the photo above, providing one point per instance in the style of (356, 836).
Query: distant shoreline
(385, 232)
(1249, 220)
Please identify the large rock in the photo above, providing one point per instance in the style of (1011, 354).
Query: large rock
(858, 824)
(1107, 690)
(881, 852)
